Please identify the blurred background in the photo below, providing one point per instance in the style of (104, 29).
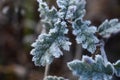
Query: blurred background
(20, 25)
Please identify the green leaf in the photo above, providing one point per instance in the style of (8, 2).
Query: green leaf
(92, 69)
(109, 27)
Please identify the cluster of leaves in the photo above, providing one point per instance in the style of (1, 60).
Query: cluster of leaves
(49, 44)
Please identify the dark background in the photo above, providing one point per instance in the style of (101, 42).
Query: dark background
(20, 26)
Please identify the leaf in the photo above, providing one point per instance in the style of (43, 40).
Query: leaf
(85, 34)
(109, 27)
(54, 78)
(41, 53)
(62, 3)
(80, 10)
(71, 9)
(48, 16)
(89, 69)
(117, 68)
(76, 9)
(47, 46)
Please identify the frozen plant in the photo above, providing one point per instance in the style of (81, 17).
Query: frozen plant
(49, 45)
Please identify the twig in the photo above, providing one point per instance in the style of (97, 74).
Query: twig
(103, 51)
(46, 70)
(78, 52)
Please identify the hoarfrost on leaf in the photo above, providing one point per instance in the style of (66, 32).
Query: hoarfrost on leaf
(85, 34)
(54, 78)
(76, 9)
(71, 9)
(55, 50)
(49, 16)
(48, 46)
(91, 69)
(62, 3)
(64, 43)
(109, 27)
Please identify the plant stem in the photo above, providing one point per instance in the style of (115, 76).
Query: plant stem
(103, 51)
(78, 53)
(46, 70)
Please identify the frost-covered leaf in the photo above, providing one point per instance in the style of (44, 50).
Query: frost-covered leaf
(54, 78)
(49, 16)
(91, 69)
(48, 46)
(117, 68)
(41, 52)
(76, 9)
(71, 9)
(109, 27)
(63, 41)
(85, 34)
(63, 3)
